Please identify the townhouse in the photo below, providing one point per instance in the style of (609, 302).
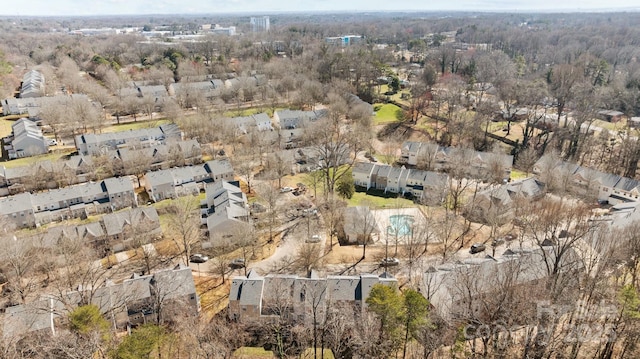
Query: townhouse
(174, 182)
(424, 186)
(586, 182)
(165, 294)
(219, 170)
(113, 232)
(293, 125)
(31, 106)
(225, 211)
(46, 175)
(256, 297)
(181, 181)
(496, 204)
(32, 85)
(96, 144)
(26, 140)
(475, 163)
(157, 93)
(455, 289)
(78, 201)
(126, 161)
(209, 89)
(245, 124)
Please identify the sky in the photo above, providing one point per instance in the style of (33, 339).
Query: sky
(142, 7)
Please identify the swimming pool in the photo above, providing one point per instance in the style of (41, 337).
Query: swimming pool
(400, 225)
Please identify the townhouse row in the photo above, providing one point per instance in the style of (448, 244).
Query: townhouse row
(424, 186)
(26, 210)
(476, 164)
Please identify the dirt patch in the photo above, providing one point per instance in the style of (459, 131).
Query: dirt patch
(396, 130)
(351, 254)
(214, 296)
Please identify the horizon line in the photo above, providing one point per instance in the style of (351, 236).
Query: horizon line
(356, 11)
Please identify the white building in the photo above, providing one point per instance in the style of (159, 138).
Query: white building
(259, 24)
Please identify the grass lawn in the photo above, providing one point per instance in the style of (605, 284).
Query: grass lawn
(397, 96)
(251, 111)
(27, 161)
(5, 127)
(252, 352)
(308, 354)
(385, 113)
(609, 125)
(214, 296)
(135, 125)
(498, 126)
(360, 198)
(517, 174)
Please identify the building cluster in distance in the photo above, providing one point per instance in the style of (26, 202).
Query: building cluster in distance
(345, 40)
(259, 24)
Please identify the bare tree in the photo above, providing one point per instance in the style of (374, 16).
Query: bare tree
(184, 223)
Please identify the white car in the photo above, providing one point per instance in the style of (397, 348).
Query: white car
(314, 239)
(52, 142)
(286, 189)
(390, 262)
(198, 258)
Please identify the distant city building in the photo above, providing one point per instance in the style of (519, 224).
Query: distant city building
(259, 24)
(231, 30)
(346, 40)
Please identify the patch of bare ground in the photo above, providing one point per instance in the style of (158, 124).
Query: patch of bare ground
(214, 295)
(352, 254)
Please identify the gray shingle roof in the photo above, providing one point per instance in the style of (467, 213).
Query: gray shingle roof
(118, 185)
(115, 223)
(219, 167)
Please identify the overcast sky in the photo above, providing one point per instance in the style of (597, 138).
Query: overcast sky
(137, 7)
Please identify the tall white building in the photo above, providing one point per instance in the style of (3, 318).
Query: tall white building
(259, 24)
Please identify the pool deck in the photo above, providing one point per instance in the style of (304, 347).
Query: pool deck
(382, 220)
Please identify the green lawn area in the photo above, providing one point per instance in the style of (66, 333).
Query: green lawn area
(26, 161)
(397, 96)
(5, 127)
(360, 198)
(517, 174)
(425, 125)
(251, 111)
(498, 126)
(135, 125)
(385, 113)
(252, 352)
(609, 125)
(308, 354)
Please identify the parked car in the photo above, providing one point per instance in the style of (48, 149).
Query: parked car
(477, 248)
(237, 263)
(286, 189)
(390, 262)
(314, 239)
(198, 258)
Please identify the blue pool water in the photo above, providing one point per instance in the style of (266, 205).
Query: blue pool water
(400, 224)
